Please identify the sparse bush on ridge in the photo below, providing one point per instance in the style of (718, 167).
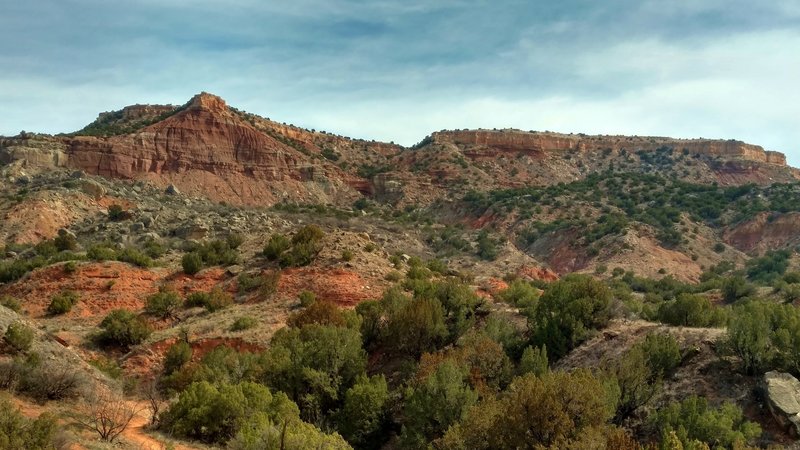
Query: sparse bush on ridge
(244, 323)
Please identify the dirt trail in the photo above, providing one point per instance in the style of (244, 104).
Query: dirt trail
(135, 437)
(138, 438)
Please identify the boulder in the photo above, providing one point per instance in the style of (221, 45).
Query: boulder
(92, 188)
(782, 395)
(172, 190)
(63, 232)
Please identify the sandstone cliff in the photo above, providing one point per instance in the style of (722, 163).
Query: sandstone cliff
(533, 142)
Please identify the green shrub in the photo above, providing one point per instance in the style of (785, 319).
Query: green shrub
(534, 360)
(769, 267)
(134, 256)
(62, 302)
(116, 213)
(244, 323)
(214, 414)
(440, 401)
(19, 432)
(234, 240)
(247, 282)
(196, 299)
(692, 421)
(218, 299)
(735, 288)
(662, 352)
(42, 380)
(212, 301)
(438, 266)
(315, 365)
(418, 273)
(692, 311)
(518, 418)
(124, 328)
(177, 356)
(65, 242)
(320, 313)
(269, 286)
(10, 303)
(191, 263)
(163, 304)
(307, 298)
(101, 253)
(520, 294)
(766, 336)
(299, 251)
(568, 311)
(70, 267)
(488, 248)
(213, 253)
(264, 433)
(16, 269)
(154, 249)
(631, 381)
(276, 246)
(19, 336)
(394, 276)
(347, 255)
(363, 418)
(107, 365)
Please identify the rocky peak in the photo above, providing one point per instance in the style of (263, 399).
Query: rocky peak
(209, 102)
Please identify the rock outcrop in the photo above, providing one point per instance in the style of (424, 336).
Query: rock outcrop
(204, 148)
(782, 395)
(534, 142)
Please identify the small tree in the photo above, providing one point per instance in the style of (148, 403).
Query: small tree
(534, 360)
(363, 416)
(155, 400)
(107, 414)
(177, 355)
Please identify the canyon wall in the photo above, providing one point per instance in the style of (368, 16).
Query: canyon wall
(532, 142)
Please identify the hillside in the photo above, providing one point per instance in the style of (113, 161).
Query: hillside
(309, 290)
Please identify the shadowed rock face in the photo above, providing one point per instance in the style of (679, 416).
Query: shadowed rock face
(782, 393)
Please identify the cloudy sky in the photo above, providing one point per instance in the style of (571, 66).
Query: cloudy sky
(399, 69)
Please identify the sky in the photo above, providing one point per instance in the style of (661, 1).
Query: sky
(398, 70)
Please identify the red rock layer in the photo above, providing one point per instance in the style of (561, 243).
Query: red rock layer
(204, 149)
(532, 142)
